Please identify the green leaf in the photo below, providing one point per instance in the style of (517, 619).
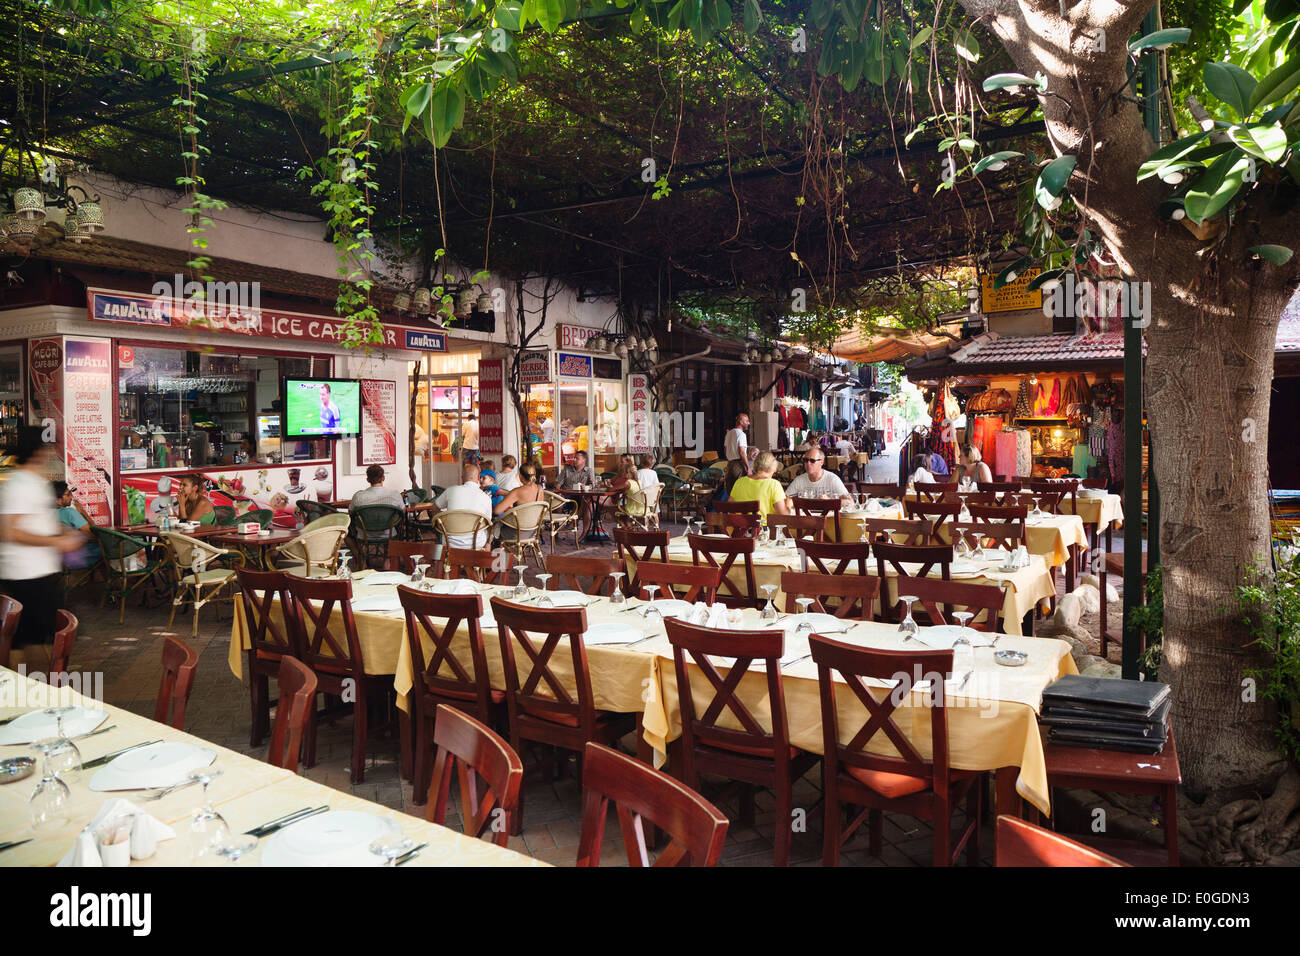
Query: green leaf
(473, 79)
(1278, 255)
(967, 46)
(1277, 84)
(1215, 187)
(1266, 142)
(994, 158)
(1056, 174)
(1161, 39)
(1001, 81)
(446, 110)
(1176, 150)
(550, 14)
(508, 14)
(753, 16)
(822, 11)
(922, 36)
(1231, 84)
(415, 100)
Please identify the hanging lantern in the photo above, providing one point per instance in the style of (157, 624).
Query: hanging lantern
(423, 301)
(465, 301)
(597, 343)
(621, 350)
(652, 356)
(401, 301)
(633, 343)
(72, 230)
(483, 303)
(652, 343)
(29, 203)
(90, 218)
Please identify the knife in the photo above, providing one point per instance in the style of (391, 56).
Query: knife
(101, 730)
(409, 855)
(266, 829)
(100, 761)
(9, 720)
(10, 846)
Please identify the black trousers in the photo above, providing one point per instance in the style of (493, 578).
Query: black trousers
(40, 598)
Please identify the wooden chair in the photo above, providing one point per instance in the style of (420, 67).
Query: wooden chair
(695, 828)
(335, 659)
(65, 635)
(297, 688)
(1100, 483)
(906, 783)
(268, 641)
(799, 527)
(728, 549)
(179, 661)
(1064, 487)
(752, 754)
(635, 547)
(853, 590)
(402, 555)
(1020, 843)
(472, 563)
(895, 556)
(444, 675)
(10, 613)
(1049, 501)
(736, 525)
(701, 582)
(569, 570)
(541, 708)
(820, 554)
(1003, 534)
(736, 507)
(823, 508)
(934, 491)
(911, 530)
(999, 487)
(475, 752)
(938, 599)
(880, 489)
(997, 512)
(936, 512)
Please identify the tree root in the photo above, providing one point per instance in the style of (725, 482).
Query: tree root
(1254, 829)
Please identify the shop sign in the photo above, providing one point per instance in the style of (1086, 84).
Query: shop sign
(1012, 297)
(426, 341)
(638, 415)
(575, 366)
(47, 356)
(88, 434)
(491, 404)
(573, 336)
(125, 357)
(535, 368)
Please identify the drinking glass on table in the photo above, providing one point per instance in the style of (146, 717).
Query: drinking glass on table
(521, 589)
(804, 624)
(208, 828)
(49, 802)
(65, 758)
(907, 626)
(391, 843)
(650, 608)
(617, 596)
(236, 845)
(345, 571)
(769, 610)
(545, 599)
(417, 573)
(963, 651)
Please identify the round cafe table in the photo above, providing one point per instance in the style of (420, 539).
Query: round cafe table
(589, 507)
(249, 543)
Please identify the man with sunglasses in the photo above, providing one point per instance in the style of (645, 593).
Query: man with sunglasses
(816, 481)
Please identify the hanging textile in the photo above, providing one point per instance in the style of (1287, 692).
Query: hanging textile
(983, 434)
(1115, 444)
(1014, 455)
(1024, 408)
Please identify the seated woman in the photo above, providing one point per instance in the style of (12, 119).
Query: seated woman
(192, 503)
(625, 481)
(971, 465)
(919, 470)
(762, 487)
(528, 490)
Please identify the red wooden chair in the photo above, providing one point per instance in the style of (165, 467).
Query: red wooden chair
(1049, 500)
(402, 553)
(996, 512)
(898, 555)
(732, 524)
(1063, 487)
(906, 530)
(635, 547)
(934, 491)
(10, 613)
(478, 565)
(799, 527)
(938, 600)
(856, 592)
(822, 508)
(728, 550)
(1093, 483)
(65, 635)
(477, 753)
(179, 661)
(936, 512)
(753, 755)
(296, 685)
(335, 659)
(999, 487)
(1020, 843)
(542, 709)
(736, 507)
(695, 828)
(830, 557)
(879, 489)
(701, 583)
(1003, 534)
(444, 676)
(569, 570)
(906, 783)
(268, 641)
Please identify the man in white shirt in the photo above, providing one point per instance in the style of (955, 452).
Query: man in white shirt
(844, 448)
(646, 476)
(469, 434)
(376, 494)
(508, 476)
(816, 481)
(467, 496)
(734, 444)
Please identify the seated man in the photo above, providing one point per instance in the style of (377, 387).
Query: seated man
(376, 493)
(73, 515)
(816, 482)
(577, 473)
(467, 496)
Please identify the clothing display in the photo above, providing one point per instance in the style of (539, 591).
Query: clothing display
(1014, 453)
(982, 432)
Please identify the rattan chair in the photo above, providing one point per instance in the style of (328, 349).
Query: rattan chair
(648, 500)
(128, 563)
(563, 516)
(372, 527)
(199, 579)
(315, 551)
(459, 521)
(527, 521)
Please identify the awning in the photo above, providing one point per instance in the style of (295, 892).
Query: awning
(886, 347)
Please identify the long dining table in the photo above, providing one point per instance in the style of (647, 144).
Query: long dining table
(993, 722)
(247, 793)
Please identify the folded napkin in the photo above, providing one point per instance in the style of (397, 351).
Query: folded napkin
(377, 602)
(84, 852)
(146, 832)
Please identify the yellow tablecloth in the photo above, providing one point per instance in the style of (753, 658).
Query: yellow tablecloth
(248, 792)
(1102, 511)
(1050, 538)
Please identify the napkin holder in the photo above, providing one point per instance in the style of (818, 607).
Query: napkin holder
(249, 527)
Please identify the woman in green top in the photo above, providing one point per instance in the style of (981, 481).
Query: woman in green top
(762, 487)
(625, 480)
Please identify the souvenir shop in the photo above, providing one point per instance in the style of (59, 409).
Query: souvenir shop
(805, 402)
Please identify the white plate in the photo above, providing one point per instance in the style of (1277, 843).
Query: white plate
(457, 586)
(336, 838)
(942, 637)
(567, 599)
(611, 632)
(158, 765)
(387, 577)
(37, 725)
(377, 602)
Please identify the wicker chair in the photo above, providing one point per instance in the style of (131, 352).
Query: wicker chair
(527, 521)
(128, 566)
(198, 582)
(316, 550)
(649, 502)
(224, 516)
(459, 521)
(563, 516)
(312, 510)
(372, 527)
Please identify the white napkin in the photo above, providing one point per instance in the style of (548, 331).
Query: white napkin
(717, 617)
(699, 614)
(84, 852)
(377, 602)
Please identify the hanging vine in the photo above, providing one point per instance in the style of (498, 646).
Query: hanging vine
(199, 204)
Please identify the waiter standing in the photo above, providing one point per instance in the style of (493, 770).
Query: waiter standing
(735, 441)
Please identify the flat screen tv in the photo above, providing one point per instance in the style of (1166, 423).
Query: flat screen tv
(321, 407)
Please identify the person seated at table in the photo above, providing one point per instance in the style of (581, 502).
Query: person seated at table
(508, 477)
(282, 513)
(575, 474)
(467, 496)
(751, 456)
(762, 487)
(937, 465)
(646, 476)
(920, 471)
(625, 481)
(191, 503)
(735, 470)
(72, 515)
(816, 481)
(487, 480)
(528, 490)
(971, 465)
(376, 493)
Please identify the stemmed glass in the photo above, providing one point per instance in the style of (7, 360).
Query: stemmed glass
(521, 589)
(769, 609)
(65, 759)
(417, 573)
(652, 590)
(392, 843)
(544, 600)
(49, 802)
(1037, 512)
(208, 828)
(345, 572)
(862, 538)
(236, 845)
(963, 660)
(617, 596)
(907, 626)
(699, 525)
(804, 624)
(962, 548)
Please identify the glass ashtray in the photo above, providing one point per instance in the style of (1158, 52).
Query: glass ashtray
(1010, 658)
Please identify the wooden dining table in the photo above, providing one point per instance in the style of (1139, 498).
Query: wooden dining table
(259, 543)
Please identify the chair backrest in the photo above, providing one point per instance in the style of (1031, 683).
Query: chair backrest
(834, 557)
(224, 516)
(909, 668)
(65, 635)
(728, 550)
(1093, 483)
(1004, 534)
(1020, 843)
(646, 500)
(402, 555)
(370, 521)
(441, 674)
(999, 487)
(461, 521)
(983, 512)
(477, 753)
(912, 530)
(880, 489)
(524, 688)
(701, 582)
(320, 643)
(736, 507)
(1049, 500)
(116, 546)
(936, 512)
(934, 490)
(179, 661)
(636, 546)
(330, 519)
(821, 507)
(10, 612)
(940, 599)
(855, 591)
(415, 496)
(1065, 487)
(527, 518)
(258, 591)
(685, 471)
(733, 524)
(897, 555)
(262, 516)
(569, 570)
(472, 563)
(695, 828)
(184, 551)
(314, 510)
(296, 685)
(702, 726)
(799, 526)
(318, 548)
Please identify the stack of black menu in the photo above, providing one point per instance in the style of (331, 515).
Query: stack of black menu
(1103, 713)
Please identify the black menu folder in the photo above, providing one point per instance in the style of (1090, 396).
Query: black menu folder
(1133, 699)
(1080, 718)
(1107, 714)
(1098, 741)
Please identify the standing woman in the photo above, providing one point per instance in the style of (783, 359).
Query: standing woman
(32, 545)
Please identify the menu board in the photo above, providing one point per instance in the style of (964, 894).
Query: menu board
(378, 439)
(1012, 297)
(491, 404)
(88, 444)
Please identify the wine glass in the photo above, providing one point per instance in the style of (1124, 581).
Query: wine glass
(521, 589)
(907, 626)
(804, 624)
(544, 600)
(391, 843)
(650, 608)
(208, 828)
(50, 800)
(769, 609)
(699, 525)
(963, 659)
(862, 538)
(978, 553)
(65, 758)
(345, 572)
(417, 573)
(236, 845)
(1036, 513)
(962, 547)
(617, 596)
